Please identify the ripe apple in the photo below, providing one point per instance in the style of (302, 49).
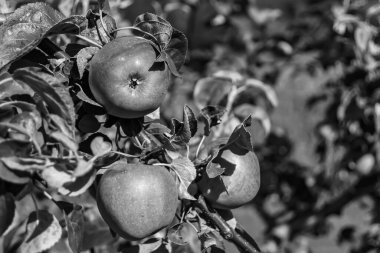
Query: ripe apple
(238, 184)
(137, 200)
(126, 79)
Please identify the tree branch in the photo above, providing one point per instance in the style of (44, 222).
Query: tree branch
(237, 236)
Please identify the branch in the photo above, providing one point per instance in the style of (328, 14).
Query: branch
(237, 237)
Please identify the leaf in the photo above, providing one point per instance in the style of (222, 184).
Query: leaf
(65, 140)
(13, 176)
(83, 167)
(83, 57)
(56, 176)
(55, 95)
(186, 173)
(100, 145)
(7, 211)
(179, 234)
(214, 170)
(28, 25)
(83, 96)
(211, 239)
(183, 131)
(9, 87)
(156, 26)
(155, 246)
(211, 116)
(241, 135)
(88, 123)
(266, 89)
(25, 163)
(212, 91)
(9, 148)
(241, 231)
(42, 232)
(75, 228)
(177, 49)
(79, 186)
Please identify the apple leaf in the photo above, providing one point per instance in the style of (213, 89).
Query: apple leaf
(254, 85)
(100, 145)
(79, 186)
(28, 25)
(54, 94)
(7, 211)
(169, 61)
(13, 176)
(211, 239)
(83, 96)
(183, 131)
(241, 135)
(87, 123)
(83, 57)
(9, 87)
(214, 170)
(211, 116)
(186, 174)
(151, 246)
(131, 127)
(158, 27)
(212, 91)
(25, 163)
(179, 234)
(56, 176)
(9, 148)
(75, 228)
(177, 49)
(42, 232)
(241, 231)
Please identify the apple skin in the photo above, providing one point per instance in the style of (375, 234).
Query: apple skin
(125, 78)
(137, 200)
(239, 183)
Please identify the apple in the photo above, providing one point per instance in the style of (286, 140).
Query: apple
(126, 79)
(239, 183)
(137, 200)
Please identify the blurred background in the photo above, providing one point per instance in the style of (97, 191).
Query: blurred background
(310, 69)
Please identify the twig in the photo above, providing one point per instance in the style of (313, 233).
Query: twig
(225, 230)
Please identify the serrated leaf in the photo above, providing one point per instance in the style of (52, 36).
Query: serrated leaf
(75, 228)
(83, 57)
(7, 211)
(55, 95)
(156, 26)
(43, 231)
(186, 173)
(28, 25)
(211, 116)
(9, 87)
(241, 136)
(177, 234)
(177, 49)
(183, 131)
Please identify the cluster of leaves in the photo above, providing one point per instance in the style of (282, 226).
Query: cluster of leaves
(56, 140)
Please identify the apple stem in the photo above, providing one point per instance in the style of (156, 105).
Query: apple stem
(226, 231)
